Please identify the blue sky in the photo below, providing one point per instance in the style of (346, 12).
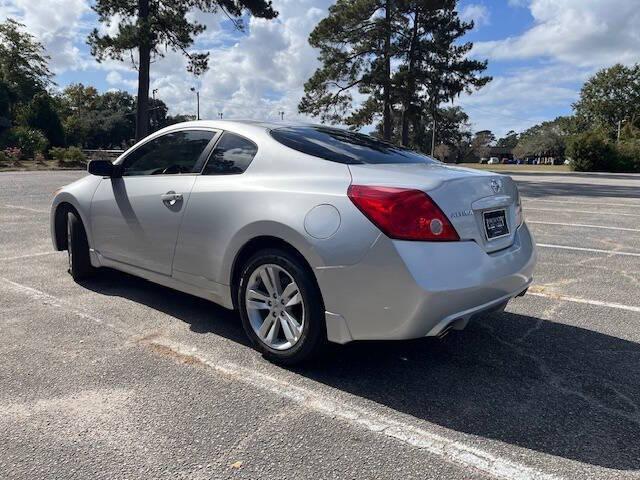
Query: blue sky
(539, 51)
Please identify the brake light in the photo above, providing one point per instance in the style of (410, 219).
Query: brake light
(403, 214)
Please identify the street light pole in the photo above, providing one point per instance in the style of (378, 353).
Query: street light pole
(197, 102)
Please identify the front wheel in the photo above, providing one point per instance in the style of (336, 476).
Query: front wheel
(78, 248)
(281, 307)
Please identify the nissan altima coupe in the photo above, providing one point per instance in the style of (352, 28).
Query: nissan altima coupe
(312, 233)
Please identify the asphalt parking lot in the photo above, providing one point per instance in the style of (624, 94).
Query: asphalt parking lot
(118, 378)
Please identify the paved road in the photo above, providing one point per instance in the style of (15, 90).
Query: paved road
(119, 378)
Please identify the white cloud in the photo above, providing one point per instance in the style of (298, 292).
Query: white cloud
(522, 97)
(55, 23)
(477, 13)
(580, 32)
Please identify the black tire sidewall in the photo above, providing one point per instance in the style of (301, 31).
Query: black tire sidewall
(314, 329)
(78, 246)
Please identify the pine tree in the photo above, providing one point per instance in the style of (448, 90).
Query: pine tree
(158, 25)
(357, 43)
(435, 67)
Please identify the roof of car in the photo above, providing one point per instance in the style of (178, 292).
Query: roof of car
(229, 124)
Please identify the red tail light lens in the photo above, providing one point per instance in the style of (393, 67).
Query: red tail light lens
(403, 214)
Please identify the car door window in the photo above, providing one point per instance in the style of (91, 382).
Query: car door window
(232, 155)
(170, 154)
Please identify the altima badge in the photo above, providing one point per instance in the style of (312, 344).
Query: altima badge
(496, 185)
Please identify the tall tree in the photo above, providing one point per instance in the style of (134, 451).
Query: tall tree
(153, 26)
(357, 43)
(510, 140)
(24, 69)
(42, 114)
(442, 70)
(611, 97)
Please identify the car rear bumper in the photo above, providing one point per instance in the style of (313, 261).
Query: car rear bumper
(404, 290)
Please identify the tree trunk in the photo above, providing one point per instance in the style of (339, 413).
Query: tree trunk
(411, 84)
(386, 89)
(142, 108)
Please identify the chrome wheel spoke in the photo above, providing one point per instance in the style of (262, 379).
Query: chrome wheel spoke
(271, 283)
(289, 294)
(288, 333)
(258, 300)
(273, 331)
(293, 326)
(266, 326)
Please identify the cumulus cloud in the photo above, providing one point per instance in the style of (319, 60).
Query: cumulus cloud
(585, 33)
(477, 13)
(523, 96)
(55, 23)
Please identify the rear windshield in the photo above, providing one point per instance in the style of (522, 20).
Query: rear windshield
(344, 146)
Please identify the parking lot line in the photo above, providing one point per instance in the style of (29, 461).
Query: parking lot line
(527, 209)
(563, 202)
(35, 210)
(30, 255)
(448, 450)
(584, 249)
(583, 225)
(535, 292)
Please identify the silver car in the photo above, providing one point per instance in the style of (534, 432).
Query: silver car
(312, 233)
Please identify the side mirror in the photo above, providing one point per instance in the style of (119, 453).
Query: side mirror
(102, 168)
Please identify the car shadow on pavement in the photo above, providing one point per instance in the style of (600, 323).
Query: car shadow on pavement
(541, 385)
(201, 315)
(537, 384)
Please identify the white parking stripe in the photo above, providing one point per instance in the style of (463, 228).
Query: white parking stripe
(584, 226)
(31, 255)
(598, 303)
(556, 210)
(583, 249)
(595, 204)
(448, 450)
(27, 208)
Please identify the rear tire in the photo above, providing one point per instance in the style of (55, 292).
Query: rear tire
(78, 248)
(294, 308)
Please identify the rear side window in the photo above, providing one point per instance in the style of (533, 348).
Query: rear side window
(344, 146)
(173, 153)
(232, 155)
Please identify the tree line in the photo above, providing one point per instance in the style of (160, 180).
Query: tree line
(602, 133)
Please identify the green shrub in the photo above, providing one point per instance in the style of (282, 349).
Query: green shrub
(68, 157)
(29, 140)
(4, 159)
(629, 156)
(592, 152)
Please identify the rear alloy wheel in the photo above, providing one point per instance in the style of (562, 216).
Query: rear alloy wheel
(281, 308)
(78, 249)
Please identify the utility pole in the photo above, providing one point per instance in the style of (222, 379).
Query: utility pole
(281, 114)
(433, 137)
(154, 107)
(220, 114)
(620, 122)
(193, 89)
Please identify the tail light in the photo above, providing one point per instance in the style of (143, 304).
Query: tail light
(403, 214)
(519, 212)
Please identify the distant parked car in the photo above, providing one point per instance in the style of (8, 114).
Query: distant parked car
(484, 160)
(494, 161)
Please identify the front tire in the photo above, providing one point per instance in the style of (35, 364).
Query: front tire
(78, 249)
(281, 307)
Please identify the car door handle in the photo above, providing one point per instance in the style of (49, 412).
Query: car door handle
(171, 198)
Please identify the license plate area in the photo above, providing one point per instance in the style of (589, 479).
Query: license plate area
(495, 224)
